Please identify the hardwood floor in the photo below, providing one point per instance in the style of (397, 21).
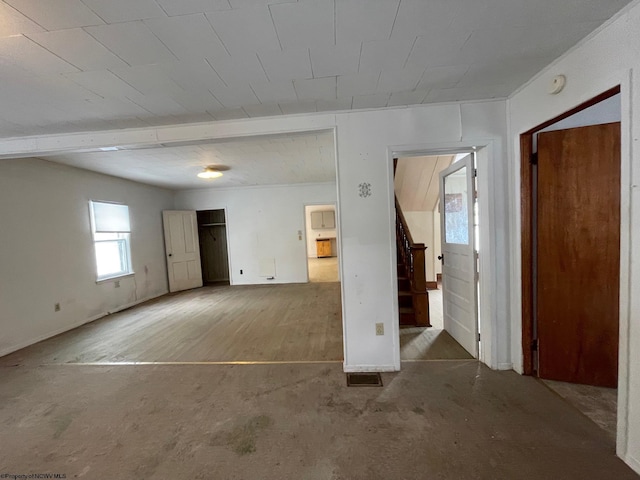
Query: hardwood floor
(297, 322)
(221, 323)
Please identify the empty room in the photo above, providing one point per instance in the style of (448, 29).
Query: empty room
(319, 239)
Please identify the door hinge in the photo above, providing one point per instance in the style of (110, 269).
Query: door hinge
(478, 337)
(534, 345)
(475, 172)
(533, 159)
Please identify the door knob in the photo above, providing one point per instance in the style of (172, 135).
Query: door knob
(440, 257)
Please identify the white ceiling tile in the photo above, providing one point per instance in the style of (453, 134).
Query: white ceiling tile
(148, 79)
(30, 56)
(384, 55)
(78, 48)
(274, 92)
(418, 17)
(57, 14)
(235, 96)
(256, 3)
(193, 76)
(441, 47)
(229, 114)
(370, 101)
(197, 101)
(245, 30)
(114, 11)
(357, 84)
(160, 105)
(304, 24)
(239, 68)
(334, 105)
(407, 98)
(332, 60)
(194, 117)
(511, 41)
(459, 94)
(316, 88)
(186, 7)
(189, 37)
(133, 42)
(292, 108)
(129, 122)
(12, 22)
(103, 83)
(116, 107)
(364, 20)
(399, 80)
(263, 110)
(287, 65)
(442, 77)
(511, 71)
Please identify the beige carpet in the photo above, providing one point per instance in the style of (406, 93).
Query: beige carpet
(434, 420)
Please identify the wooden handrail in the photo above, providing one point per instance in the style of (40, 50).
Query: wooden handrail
(412, 257)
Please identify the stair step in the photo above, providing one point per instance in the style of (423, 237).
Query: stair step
(407, 316)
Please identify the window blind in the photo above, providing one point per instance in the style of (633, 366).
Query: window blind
(110, 217)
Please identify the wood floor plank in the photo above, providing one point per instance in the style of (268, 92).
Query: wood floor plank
(221, 323)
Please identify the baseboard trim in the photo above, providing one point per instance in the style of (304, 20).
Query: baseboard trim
(439, 277)
(505, 366)
(632, 462)
(28, 343)
(432, 285)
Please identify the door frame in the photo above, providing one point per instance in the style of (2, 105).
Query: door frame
(226, 227)
(494, 328)
(305, 239)
(527, 231)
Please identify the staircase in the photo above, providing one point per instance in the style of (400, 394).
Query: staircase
(413, 298)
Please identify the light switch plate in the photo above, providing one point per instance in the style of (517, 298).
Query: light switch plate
(379, 328)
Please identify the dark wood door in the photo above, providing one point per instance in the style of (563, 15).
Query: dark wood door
(578, 254)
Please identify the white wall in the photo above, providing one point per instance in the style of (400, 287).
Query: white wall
(262, 223)
(312, 251)
(608, 58)
(421, 228)
(365, 144)
(47, 254)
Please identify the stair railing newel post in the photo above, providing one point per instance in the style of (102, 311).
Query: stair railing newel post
(412, 257)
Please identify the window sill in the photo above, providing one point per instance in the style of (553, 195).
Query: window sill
(114, 277)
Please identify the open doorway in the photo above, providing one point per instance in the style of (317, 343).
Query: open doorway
(214, 256)
(435, 202)
(322, 248)
(571, 255)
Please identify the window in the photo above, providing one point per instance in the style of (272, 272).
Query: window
(111, 230)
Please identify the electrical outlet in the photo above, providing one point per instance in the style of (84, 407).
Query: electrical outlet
(116, 284)
(56, 307)
(379, 328)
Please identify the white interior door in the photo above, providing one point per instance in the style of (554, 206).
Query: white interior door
(459, 289)
(182, 249)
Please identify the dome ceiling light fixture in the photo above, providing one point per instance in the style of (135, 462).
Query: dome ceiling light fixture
(211, 172)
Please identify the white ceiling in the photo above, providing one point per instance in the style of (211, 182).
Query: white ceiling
(78, 65)
(417, 181)
(264, 160)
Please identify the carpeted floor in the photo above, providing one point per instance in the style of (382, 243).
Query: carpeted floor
(433, 420)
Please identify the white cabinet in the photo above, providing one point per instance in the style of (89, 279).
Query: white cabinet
(323, 219)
